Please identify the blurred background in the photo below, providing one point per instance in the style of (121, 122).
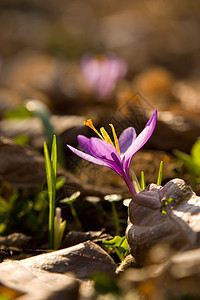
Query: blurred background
(63, 62)
(50, 51)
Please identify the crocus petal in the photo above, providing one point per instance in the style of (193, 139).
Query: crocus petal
(106, 153)
(140, 140)
(102, 72)
(84, 144)
(88, 157)
(126, 139)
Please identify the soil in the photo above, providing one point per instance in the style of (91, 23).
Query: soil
(41, 50)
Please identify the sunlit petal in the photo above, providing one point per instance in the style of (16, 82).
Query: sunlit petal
(126, 139)
(107, 153)
(87, 157)
(141, 139)
(102, 152)
(83, 143)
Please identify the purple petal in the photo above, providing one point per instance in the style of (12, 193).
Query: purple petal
(87, 157)
(102, 72)
(129, 182)
(141, 139)
(103, 150)
(126, 139)
(112, 68)
(106, 153)
(83, 142)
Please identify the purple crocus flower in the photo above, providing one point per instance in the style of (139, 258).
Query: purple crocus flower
(116, 155)
(102, 72)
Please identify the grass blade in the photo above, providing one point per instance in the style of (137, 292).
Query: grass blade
(160, 173)
(143, 183)
(54, 156)
(189, 162)
(54, 168)
(48, 169)
(51, 195)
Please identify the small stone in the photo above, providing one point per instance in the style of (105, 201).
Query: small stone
(82, 260)
(177, 277)
(75, 237)
(57, 274)
(152, 220)
(17, 240)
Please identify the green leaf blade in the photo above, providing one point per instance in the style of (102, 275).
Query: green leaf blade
(54, 166)
(188, 161)
(54, 156)
(143, 183)
(48, 169)
(160, 173)
(51, 167)
(119, 245)
(195, 152)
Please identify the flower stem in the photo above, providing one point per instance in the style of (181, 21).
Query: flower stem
(51, 168)
(129, 183)
(51, 225)
(143, 184)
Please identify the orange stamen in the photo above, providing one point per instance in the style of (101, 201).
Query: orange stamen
(90, 124)
(115, 138)
(104, 135)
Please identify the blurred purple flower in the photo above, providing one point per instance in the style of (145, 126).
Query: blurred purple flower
(117, 156)
(102, 72)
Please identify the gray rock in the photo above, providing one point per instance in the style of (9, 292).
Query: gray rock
(178, 227)
(177, 277)
(36, 285)
(75, 237)
(17, 240)
(21, 166)
(33, 128)
(83, 260)
(57, 273)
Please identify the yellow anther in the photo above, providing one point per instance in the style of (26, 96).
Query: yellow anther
(90, 124)
(115, 138)
(106, 136)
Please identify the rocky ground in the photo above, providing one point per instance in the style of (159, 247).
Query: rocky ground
(41, 48)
